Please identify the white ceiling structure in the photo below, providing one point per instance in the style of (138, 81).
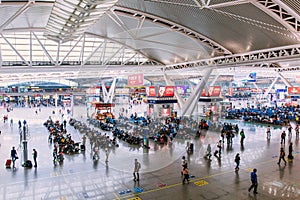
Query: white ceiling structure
(69, 39)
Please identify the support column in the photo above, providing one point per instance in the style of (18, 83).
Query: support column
(111, 92)
(284, 80)
(178, 96)
(270, 87)
(190, 105)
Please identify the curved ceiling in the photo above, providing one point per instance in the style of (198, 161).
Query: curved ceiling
(165, 31)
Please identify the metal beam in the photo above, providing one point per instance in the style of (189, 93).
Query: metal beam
(17, 14)
(44, 49)
(286, 53)
(15, 50)
(281, 13)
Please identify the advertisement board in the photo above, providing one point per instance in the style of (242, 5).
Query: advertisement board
(294, 90)
(213, 91)
(136, 80)
(166, 91)
(151, 91)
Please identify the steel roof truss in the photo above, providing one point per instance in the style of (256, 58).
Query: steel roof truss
(282, 13)
(269, 55)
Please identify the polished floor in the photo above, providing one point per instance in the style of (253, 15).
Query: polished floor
(80, 178)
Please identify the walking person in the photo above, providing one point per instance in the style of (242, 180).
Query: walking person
(281, 156)
(137, 167)
(186, 175)
(14, 156)
(34, 155)
(183, 164)
(254, 182)
(237, 161)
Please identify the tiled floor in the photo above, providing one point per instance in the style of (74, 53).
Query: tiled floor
(80, 178)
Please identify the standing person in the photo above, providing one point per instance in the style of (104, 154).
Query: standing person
(290, 130)
(19, 123)
(283, 135)
(208, 152)
(237, 161)
(34, 155)
(219, 145)
(242, 134)
(281, 156)
(253, 177)
(14, 156)
(106, 154)
(290, 156)
(83, 140)
(137, 166)
(297, 131)
(186, 175)
(268, 132)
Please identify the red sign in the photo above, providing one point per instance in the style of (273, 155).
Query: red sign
(151, 91)
(166, 91)
(293, 90)
(213, 91)
(136, 80)
(230, 91)
(165, 112)
(103, 105)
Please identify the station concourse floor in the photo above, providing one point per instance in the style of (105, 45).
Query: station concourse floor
(80, 178)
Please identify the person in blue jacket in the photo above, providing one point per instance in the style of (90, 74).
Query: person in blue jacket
(254, 182)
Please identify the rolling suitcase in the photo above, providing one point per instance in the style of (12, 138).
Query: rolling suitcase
(8, 163)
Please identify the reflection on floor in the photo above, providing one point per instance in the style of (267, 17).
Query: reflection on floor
(80, 178)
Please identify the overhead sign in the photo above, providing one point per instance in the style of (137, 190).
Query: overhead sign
(136, 80)
(213, 91)
(294, 90)
(166, 91)
(251, 77)
(151, 91)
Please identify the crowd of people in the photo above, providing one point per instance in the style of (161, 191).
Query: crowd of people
(270, 115)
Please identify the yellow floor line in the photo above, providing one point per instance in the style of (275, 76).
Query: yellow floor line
(192, 181)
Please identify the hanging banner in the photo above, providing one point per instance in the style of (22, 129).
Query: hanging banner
(136, 80)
